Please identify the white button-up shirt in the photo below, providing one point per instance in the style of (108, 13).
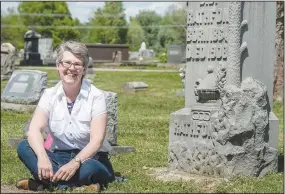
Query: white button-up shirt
(72, 131)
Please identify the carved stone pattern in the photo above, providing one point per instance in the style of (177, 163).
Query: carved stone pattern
(199, 160)
(234, 53)
(241, 128)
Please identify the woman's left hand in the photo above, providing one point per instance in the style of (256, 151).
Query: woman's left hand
(66, 172)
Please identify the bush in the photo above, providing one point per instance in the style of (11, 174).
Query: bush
(162, 57)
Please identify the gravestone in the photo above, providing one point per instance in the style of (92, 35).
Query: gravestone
(8, 57)
(23, 90)
(117, 57)
(132, 87)
(46, 51)
(176, 54)
(134, 56)
(90, 72)
(227, 126)
(31, 49)
(182, 76)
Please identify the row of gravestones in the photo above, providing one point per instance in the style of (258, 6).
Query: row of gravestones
(24, 90)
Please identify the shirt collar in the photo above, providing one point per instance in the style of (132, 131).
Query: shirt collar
(84, 90)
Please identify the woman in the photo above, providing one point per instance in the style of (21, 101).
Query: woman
(75, 112)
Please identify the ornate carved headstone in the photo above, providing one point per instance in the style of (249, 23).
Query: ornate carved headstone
(8, 57)
(31, 50)
(227, 126)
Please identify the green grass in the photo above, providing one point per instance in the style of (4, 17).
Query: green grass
(143, 122)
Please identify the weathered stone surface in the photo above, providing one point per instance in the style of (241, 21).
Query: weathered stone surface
(134, 86)
(279, 63)
(20, 108)
(112, 123)
(8, 57)
(226, 127)
(122, 149)
(25, 87)
(90, 74)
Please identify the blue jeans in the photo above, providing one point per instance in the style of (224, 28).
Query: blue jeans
(95, 170)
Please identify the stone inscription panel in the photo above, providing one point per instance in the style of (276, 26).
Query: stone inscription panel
(199, 126)
(207, 31)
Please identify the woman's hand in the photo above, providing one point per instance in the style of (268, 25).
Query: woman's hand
(66, 172)
(45, 170)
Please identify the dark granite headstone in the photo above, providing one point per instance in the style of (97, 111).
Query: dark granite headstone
(31, 50)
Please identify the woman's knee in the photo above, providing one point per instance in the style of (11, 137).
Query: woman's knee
(23, 148)
(95, 168)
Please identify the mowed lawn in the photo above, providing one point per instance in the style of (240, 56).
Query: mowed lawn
(143, 123)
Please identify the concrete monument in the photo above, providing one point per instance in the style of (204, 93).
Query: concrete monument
(132, 87)
(23, 90)
(31, 51)
(176, 54)
(227, 126)
(8, 57)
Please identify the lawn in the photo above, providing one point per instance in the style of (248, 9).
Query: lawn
(143, 123)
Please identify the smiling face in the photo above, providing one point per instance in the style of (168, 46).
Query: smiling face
(70, 68)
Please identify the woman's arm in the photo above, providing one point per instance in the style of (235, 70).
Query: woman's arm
(97, 136)
(35, 138)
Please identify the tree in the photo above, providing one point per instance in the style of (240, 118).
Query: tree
(135, 35)
(174, 16)
(149, 20)
(57, 34)
(112, 14)
(12, 35)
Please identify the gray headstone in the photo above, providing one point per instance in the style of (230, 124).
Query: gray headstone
(8, 57)
(46, 48)
(90, 74)
(112, 123)
(176, 54)
(134, 86)
(227, 127)
(134, 56)
(25, 87)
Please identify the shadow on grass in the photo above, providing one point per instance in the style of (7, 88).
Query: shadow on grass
(281, 162)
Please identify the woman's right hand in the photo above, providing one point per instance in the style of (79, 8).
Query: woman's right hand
(45, 170)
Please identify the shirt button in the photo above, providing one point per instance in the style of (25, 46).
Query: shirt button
(69, 122)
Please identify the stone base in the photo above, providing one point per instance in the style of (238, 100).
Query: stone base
(13, 143)
(31, 63)
(180, 92)
(49, 61)
(20, 108)
(193, 143)
(122, 149)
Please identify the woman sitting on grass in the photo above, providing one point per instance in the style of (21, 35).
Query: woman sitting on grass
(75, 112)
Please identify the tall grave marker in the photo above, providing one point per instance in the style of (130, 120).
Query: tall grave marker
(8, 57)
(227, 126)
(31, 49)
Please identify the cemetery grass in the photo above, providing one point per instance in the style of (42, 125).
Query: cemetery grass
(143, 122)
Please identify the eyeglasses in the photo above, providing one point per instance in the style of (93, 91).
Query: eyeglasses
(68, 64)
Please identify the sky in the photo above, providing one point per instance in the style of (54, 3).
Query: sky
(83, 10)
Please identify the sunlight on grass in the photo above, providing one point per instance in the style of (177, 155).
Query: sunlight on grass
(143, 122)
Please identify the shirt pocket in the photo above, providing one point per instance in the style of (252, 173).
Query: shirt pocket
(84, 121)
(56, 123)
